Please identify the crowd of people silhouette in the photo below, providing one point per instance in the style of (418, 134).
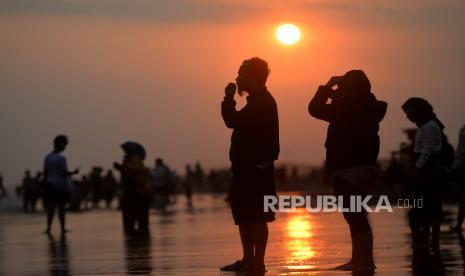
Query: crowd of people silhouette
(352, 145)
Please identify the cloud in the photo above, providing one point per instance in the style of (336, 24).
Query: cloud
(395, 13)
(147, 10)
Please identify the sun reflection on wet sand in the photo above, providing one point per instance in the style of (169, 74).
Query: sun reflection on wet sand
(299, 233)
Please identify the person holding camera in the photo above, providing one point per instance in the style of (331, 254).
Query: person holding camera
(352, 146)
(254, 148)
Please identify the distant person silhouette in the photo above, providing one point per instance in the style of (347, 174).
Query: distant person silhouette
(85, 189)
(135, 197)
(56, 175)
(27, 187)
(188, 183)
(162, 185)
(352, 147)
(199, 175)
(459, 171)
(429, 148)
(254, 148)
(36, 191)
(109, 188)
(96, 183)
(2, 188)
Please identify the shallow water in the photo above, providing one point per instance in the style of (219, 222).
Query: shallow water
(199, 240)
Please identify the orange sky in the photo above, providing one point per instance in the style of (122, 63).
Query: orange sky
(104, 72)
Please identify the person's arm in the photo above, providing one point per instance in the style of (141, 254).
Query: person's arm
(228, 107)
(229, 112)
(432, 138)
(73, 172)
(65, 171)
(70, 173)
(318, 106)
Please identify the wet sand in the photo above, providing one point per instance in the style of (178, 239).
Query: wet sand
(198, 241)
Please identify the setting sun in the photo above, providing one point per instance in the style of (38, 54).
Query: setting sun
(288, 34)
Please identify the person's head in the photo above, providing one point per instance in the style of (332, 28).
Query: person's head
(59, 143)
(252, 75)
(418, 110)
(28, 173)
(355, 86)
(133, 150)
(158, 162)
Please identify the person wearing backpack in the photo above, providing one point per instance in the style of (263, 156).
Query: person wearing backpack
(431, 151)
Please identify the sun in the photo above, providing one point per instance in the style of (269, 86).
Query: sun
(288, 34)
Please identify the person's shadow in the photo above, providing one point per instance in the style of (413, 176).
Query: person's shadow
(138, 248)
(58, 253)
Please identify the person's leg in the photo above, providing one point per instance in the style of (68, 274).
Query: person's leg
(143, 220)
(50, 215)
(341, 189)
(260, 237)
(61, 216)
(107, 202)
(360, 230)
(240, 200)
(460, 215)
(247, 240)
(416, 228)
(435, 232)
(128, 220)
(34, 204)
(436, 220)
(354, 246)
(363, 242)
(25, 201)
(246, 263)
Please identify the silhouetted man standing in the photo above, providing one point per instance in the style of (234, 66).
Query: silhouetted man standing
(254, 147)
(2, 188)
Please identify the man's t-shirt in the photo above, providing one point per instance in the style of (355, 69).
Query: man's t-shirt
(56, 169)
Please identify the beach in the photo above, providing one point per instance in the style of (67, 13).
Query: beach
(198, 240)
